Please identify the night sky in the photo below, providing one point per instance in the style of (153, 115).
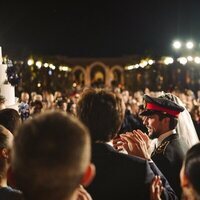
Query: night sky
(97, 28)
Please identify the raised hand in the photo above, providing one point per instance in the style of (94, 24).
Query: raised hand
(82, 194)
(135, 145)
(156, 188)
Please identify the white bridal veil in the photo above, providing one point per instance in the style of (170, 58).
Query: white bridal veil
(185, 127)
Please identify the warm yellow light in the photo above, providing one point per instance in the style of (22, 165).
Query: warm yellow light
(168, 60)
(143, 63)
(51, 66)
(38, 64)
(130, 67)
(30, 62)
(151, 62)
(46, 65)
(64, 68)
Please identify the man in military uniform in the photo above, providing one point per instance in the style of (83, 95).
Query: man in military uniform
(161, 118)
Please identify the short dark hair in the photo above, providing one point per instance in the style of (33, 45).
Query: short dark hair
(102, 112)
(173, 121)
(192, 165)
(50, 155)
(10, 119)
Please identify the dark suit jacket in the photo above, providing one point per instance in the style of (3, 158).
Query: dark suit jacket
(169, 157)
(120, 176)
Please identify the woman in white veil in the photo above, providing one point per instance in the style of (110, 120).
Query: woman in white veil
(185, 127)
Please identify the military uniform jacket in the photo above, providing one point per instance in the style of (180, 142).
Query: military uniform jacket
(168, 157)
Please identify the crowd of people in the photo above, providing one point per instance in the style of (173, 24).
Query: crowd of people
(101, 144)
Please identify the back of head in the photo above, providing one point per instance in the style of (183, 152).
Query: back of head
(10, 119)
(192, 165)
(5, 145)
(50, 155)
(102, 112)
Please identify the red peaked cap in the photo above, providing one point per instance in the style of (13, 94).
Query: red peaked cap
(162, 105)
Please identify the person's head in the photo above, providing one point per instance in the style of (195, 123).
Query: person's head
(25, 97)
(51, 156)
(61, 104)
(160, 115)
(10, 119)
(36, 107)
(102, 112)
(6, 139)
(190, 173)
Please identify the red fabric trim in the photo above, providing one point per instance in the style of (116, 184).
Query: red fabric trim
(152, 106)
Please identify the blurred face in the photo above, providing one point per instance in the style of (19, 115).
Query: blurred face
(187, 190)
(25, 97)
(182, 175)
(154, 125)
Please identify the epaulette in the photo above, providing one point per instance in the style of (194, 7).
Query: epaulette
(162, 147)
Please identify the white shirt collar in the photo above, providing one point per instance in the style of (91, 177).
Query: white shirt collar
(163, 136)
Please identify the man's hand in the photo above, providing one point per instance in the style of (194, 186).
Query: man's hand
(136, 144)
(82, 194)
(156, 188)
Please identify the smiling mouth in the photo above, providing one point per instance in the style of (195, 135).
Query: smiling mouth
(149, 129)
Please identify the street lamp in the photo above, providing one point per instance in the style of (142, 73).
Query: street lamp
(177, 44)
(189, 45)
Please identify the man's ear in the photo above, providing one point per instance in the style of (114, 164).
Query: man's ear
(5, 153)
(166, 120)
(88, 175)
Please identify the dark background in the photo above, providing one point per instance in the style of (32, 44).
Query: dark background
(97, 28)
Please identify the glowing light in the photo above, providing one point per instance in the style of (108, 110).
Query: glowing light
(168, 60)
(177, 44)
(64, 68)
(30, 62)
(39, 85)
(130, 67)
(197, 60)
(189, 45)
(74, 85)
(182, 60)
(50, 72)
(143, 63)
(190, 58)
(52, 66)
(46, 65)
(38, 64)
(150, 62)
